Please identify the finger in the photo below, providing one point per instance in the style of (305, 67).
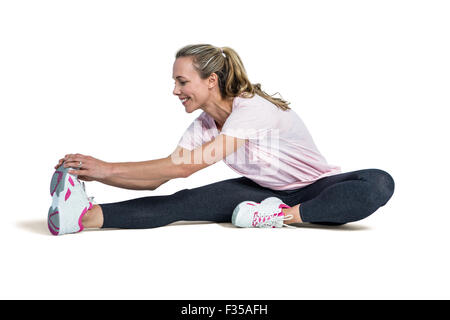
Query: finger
(74, 172)
(59, 163)
(84, 178)
(72, 156)
(78, 172)
(75, 164)
(75, 159)
(78, 155)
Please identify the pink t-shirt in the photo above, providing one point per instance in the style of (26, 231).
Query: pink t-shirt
(280, 154)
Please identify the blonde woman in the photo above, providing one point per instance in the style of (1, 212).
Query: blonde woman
(284, 178)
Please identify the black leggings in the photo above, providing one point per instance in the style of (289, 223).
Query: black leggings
(333, 200)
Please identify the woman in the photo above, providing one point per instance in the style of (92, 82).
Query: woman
(284, 179)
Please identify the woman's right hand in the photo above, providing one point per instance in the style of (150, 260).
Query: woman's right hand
(61, 161)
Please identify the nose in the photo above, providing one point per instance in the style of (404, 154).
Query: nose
(176, 91)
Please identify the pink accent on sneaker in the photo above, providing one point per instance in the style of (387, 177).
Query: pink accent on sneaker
(71, 181)
(90, 205)
(67, 195)
(81, 218)
(282, 205)
(57, 182)
(51, 226)
(255, 219)
(251, 204)
(53, 232)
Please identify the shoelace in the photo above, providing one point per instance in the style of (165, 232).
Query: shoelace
(90, 199)
(270, 222)
(267, 220)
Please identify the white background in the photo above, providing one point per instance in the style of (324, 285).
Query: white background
(370, 79)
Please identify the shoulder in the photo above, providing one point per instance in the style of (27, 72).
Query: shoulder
(253, 108)
(254, 104)
(243, 101)
(251, 117)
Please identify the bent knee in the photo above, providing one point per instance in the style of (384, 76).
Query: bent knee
(384, 185)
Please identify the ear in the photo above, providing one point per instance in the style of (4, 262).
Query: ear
(213, 80)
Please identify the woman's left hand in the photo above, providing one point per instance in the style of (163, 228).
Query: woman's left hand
(88, 168)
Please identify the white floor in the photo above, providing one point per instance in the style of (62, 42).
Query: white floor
(396, 253)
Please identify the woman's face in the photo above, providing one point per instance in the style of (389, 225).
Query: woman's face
(189, 85)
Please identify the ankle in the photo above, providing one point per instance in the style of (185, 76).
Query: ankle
(93, 217)
(294, 212)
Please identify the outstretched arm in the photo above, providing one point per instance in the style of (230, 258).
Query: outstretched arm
(150, 174)
(101, 166)
(180, 164)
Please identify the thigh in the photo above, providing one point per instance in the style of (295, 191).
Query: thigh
(293, 197)
(220, 198)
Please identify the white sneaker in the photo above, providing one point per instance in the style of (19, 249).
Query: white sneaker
(69, 203)
(268, 213)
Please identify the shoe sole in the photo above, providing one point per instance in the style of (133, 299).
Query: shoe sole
(63, 188)
(53, 221)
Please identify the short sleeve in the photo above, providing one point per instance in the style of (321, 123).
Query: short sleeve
(196, 134)
(251, 121)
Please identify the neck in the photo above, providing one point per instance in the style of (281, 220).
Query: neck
(220, 111)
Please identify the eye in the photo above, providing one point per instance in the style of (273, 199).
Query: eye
(182, 82)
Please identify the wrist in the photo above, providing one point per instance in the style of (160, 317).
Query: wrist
(111, 169)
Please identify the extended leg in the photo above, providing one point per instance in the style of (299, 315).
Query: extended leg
(214, 202)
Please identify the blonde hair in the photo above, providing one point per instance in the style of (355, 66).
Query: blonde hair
(233, 80)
